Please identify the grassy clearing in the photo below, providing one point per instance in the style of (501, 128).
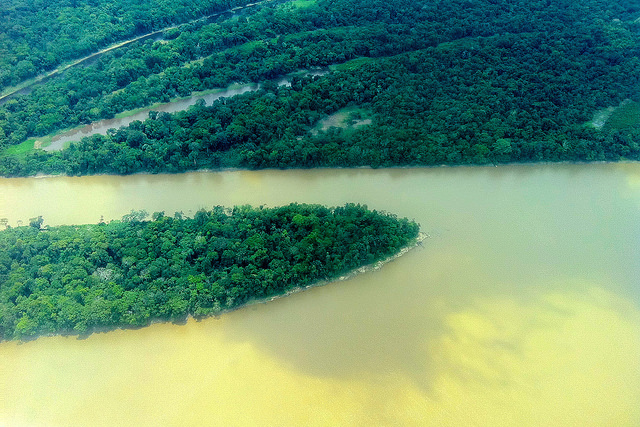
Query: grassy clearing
(352, 64)
(298, 4)
(626, 116)
(36, 143)
(245, 48)
(302, 3)
(22, 148)
(463, 43)
(11, 90)
(346, 118)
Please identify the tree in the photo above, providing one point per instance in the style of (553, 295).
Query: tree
(36, 222)
(135, 216)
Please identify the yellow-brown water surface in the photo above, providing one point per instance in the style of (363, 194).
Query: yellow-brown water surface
(521, 309)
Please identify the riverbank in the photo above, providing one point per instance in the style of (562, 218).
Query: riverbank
(61, 139)
(337, 168)
(375, 266)
(417, 242)
(459, 332)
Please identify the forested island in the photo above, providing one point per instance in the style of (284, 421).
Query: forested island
(455, 82)
(128, 273)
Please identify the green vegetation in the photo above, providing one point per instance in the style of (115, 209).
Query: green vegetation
(455, 82)
(22, 148)
(414, 121)
(38, 35)
(200, 57)
(76, 279)
(301, 3)
(345, 118)
(352, 64)
(624, 117)
(444, 83)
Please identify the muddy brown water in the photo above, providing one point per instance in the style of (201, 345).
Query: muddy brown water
(521, 309)
(58, 142)
(102, 126)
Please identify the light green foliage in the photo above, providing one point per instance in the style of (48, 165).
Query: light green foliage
(38, 35)
(352, 64)
(22, 148)
(626, 116)
(300, 3)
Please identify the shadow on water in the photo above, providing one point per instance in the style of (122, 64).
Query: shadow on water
(523, 306)
(472, 303)
(514, 309)
(394, 323)
(442, 332)
(352, 328)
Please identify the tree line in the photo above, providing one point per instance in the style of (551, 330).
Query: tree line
(273, 42)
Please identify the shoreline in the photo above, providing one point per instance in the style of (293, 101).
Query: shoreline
(375, 266)
(238, 169)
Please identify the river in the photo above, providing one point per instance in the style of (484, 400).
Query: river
(102, 126)
(59, 141)
(521, 309)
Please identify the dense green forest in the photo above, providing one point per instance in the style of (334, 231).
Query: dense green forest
(76, 279)
(453, 82)
(38, 35)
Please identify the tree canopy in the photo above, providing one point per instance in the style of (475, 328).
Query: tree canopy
(452, 82)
